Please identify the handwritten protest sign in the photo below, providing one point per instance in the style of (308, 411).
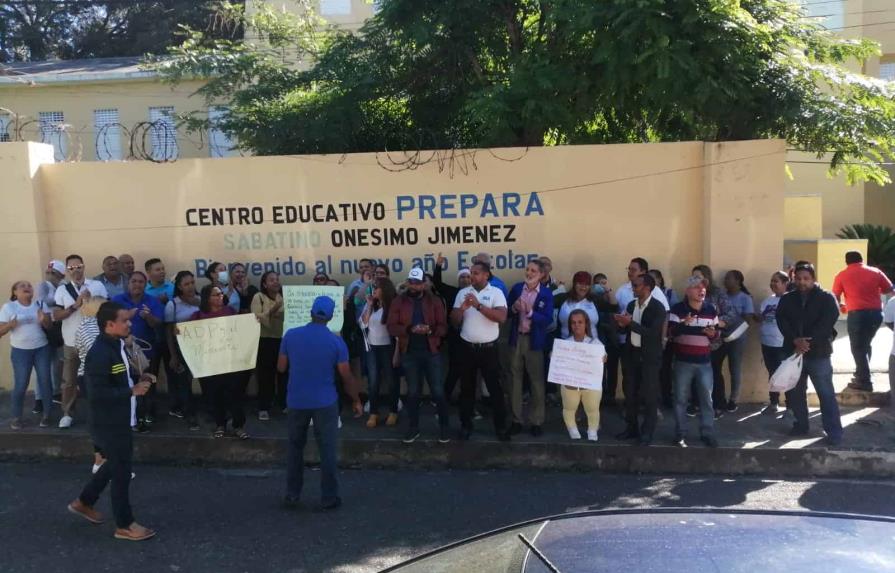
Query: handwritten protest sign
(219, 345)
(297, 301)
(576, 364)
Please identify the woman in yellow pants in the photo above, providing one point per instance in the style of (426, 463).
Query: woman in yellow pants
(579, 327)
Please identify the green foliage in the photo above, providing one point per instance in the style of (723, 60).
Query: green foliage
(880, 244)
(490, 73)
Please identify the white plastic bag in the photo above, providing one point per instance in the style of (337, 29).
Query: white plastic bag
(787, 374)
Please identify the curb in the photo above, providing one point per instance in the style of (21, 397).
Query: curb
(474, 455)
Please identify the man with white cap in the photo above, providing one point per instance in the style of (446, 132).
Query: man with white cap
(312, 397)
(46, 294)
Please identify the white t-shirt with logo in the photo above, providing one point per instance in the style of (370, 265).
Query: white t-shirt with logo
(377, 334)
(889, 317)
(28, 333)
(476, 328)
(65, 300)
(770, 332)
(179, 311)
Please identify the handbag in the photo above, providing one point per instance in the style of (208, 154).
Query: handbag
(136, 349)
(787, 374)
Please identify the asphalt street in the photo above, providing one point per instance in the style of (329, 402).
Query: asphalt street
(222, 521)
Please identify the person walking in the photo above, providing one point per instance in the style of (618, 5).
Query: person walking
(112, 395)
(579, 331)
(225, 389)
(644, 324)
(316, 354)
(380, 351)
(772, 350)
(531, 313)
(267, 305)
(70, 297)
(478, 311)
(862, 286)
(24, 318)
(418, 320)
(807, 318)
(692, 325)
(181, 308)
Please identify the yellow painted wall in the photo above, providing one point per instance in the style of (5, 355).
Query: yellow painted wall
(828, 255)
(803, 217)
(132, 99)
(675, 204)
(842, 204)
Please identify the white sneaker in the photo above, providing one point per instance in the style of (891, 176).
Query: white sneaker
(400, 405)
(66, 422)
(574, 433)
(367, 407)
(592, 435)
(264, 416)
(340, 422)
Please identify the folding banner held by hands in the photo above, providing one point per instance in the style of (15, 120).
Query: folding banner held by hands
(576, 364)
(219, 345)
(297, 302)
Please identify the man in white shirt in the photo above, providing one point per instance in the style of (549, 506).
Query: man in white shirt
(69, 299)
(478, 312)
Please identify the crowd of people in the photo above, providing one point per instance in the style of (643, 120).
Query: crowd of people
(682, 353)
(111, 337)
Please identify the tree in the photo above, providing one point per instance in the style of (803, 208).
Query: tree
(428, 74)
(36, 30)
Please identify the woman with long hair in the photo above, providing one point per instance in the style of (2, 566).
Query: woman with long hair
(380, 351)
(772, 350)
(24, 318)
(218, 274)
(580, 331)
(741, 310)
(181, 308)
(267, 305)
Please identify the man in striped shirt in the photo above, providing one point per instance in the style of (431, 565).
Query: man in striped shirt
(692, 326)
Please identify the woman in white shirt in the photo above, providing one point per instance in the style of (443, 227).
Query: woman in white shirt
(579, 327)
(579, 298)
(25, 319)
(180, 385)
(771, 338)
(380, 350)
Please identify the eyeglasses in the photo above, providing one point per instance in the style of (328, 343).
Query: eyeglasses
(75, 267)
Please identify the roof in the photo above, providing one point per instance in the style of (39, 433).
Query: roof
(73, 71)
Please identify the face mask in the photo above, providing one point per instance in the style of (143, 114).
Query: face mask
(599, 289)
(224, 277)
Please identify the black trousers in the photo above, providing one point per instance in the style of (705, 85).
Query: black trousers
(118, 450)
(641, 385)
(610, 377)
(484, 359)
(226, 393)
(270, 381)
(455, 365)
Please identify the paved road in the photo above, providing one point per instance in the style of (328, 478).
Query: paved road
(223, 521)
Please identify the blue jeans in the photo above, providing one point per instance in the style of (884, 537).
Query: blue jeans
(419, 363)
(773, 356)
(733, 352)
(699, 377)
(821, 372)
(380, 370)
(23, 362)
(326, 432)
(55, 372)
(862, 327)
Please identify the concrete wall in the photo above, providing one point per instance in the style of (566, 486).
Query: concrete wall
(588, 207)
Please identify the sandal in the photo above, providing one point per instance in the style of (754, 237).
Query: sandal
(241, 434)
(218, 433)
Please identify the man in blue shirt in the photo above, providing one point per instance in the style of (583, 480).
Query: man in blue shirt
(311, 395)
(157, 286)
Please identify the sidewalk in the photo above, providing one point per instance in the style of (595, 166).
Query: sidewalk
(751, 443)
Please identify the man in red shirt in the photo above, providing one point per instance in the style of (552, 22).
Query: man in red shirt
(862, 286)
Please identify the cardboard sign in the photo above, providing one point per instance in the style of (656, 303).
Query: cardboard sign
(577, 364)
(297, 302)
(219, 345)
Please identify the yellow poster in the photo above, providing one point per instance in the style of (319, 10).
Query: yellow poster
(297, 302)
(219, 345)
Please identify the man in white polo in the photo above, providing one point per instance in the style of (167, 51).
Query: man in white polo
(478, 312)
(70, 296)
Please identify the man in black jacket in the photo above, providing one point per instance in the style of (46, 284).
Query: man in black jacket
(644, 321)
(112, 398)
(807, 318)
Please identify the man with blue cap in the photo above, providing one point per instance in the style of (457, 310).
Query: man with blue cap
(315, 354)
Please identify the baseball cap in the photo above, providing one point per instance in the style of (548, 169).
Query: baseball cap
(416, 274)
(57, 266)
(464, 272)
(323, 307)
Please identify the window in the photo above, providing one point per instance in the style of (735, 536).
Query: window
(887, 71)
(335, 7)
(219, 145)
(163, 134)
(830, 14)
(5, 121)
(107, 134)
(52, 131)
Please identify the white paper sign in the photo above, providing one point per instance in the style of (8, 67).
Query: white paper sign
(219, 345)
(577, 364)
(297, 302)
